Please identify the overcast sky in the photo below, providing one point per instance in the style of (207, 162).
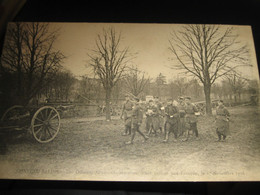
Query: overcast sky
(151, 41)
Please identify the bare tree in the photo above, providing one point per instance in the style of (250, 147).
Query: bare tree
(61, 86)
(237, 84)
(207, 52)
(217, 90)
(226, 90)
(109, 61)
(160, 81)
(29, 54)
(11, 59)
(90, 88)
(181, 85)
(135, 81)
(253, 87)
(194, 88)
(117, 94)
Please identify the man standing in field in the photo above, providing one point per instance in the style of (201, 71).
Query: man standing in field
(172, 119)
(181, 108)
(159, 106)
(222, 121)
(152, 118)
(127, 115)
(190, 119)
(137, 117)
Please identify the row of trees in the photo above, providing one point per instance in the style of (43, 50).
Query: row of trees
(32, 66)
(206, 52)
(29, 62)
(235, 89)
(140, 86)
(231, 88)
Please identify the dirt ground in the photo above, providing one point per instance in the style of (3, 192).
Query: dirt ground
(94, 149)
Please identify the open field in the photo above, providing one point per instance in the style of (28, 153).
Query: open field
(94, 149)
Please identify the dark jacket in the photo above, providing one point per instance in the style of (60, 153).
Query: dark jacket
(222, 116)
(172, 113)
(127, 109)
(190, 116)
(137, 115)
(154, 109)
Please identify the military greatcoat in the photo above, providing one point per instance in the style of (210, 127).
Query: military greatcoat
(222, 120)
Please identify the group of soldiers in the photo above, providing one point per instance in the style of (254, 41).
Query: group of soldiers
(178, 117)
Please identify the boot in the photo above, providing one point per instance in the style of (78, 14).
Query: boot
(166, 137)
(126, 131)
(219, 138)
(129, 142)
(186, 136)
(145, 138)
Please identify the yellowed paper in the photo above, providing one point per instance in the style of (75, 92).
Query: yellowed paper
(63, 132)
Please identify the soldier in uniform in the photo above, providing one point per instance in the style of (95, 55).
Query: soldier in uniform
(127, 115)
(172, 118)
(160, 108)
(152, 118)
(222, 121)
(190, 119)
(181, 107)
(148, 113)
(137, 117)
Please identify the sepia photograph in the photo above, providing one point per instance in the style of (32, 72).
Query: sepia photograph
(129, 102)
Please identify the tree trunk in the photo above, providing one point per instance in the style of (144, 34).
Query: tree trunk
(235, 97)
(108, 97)
(158, 91)
(207, 88)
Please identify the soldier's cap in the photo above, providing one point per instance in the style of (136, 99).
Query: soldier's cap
(221, 101)
(150, 100)
(188, 98)
(181, 98)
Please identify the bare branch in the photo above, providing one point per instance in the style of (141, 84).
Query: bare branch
(30, 55)
(207, 50)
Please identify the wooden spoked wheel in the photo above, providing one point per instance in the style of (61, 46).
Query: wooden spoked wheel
(16, 117)
(45, 124)
(12, 113)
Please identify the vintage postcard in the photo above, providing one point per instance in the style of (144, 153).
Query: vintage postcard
(129, 102)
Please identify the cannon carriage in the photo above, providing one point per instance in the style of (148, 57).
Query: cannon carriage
(43, 122)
